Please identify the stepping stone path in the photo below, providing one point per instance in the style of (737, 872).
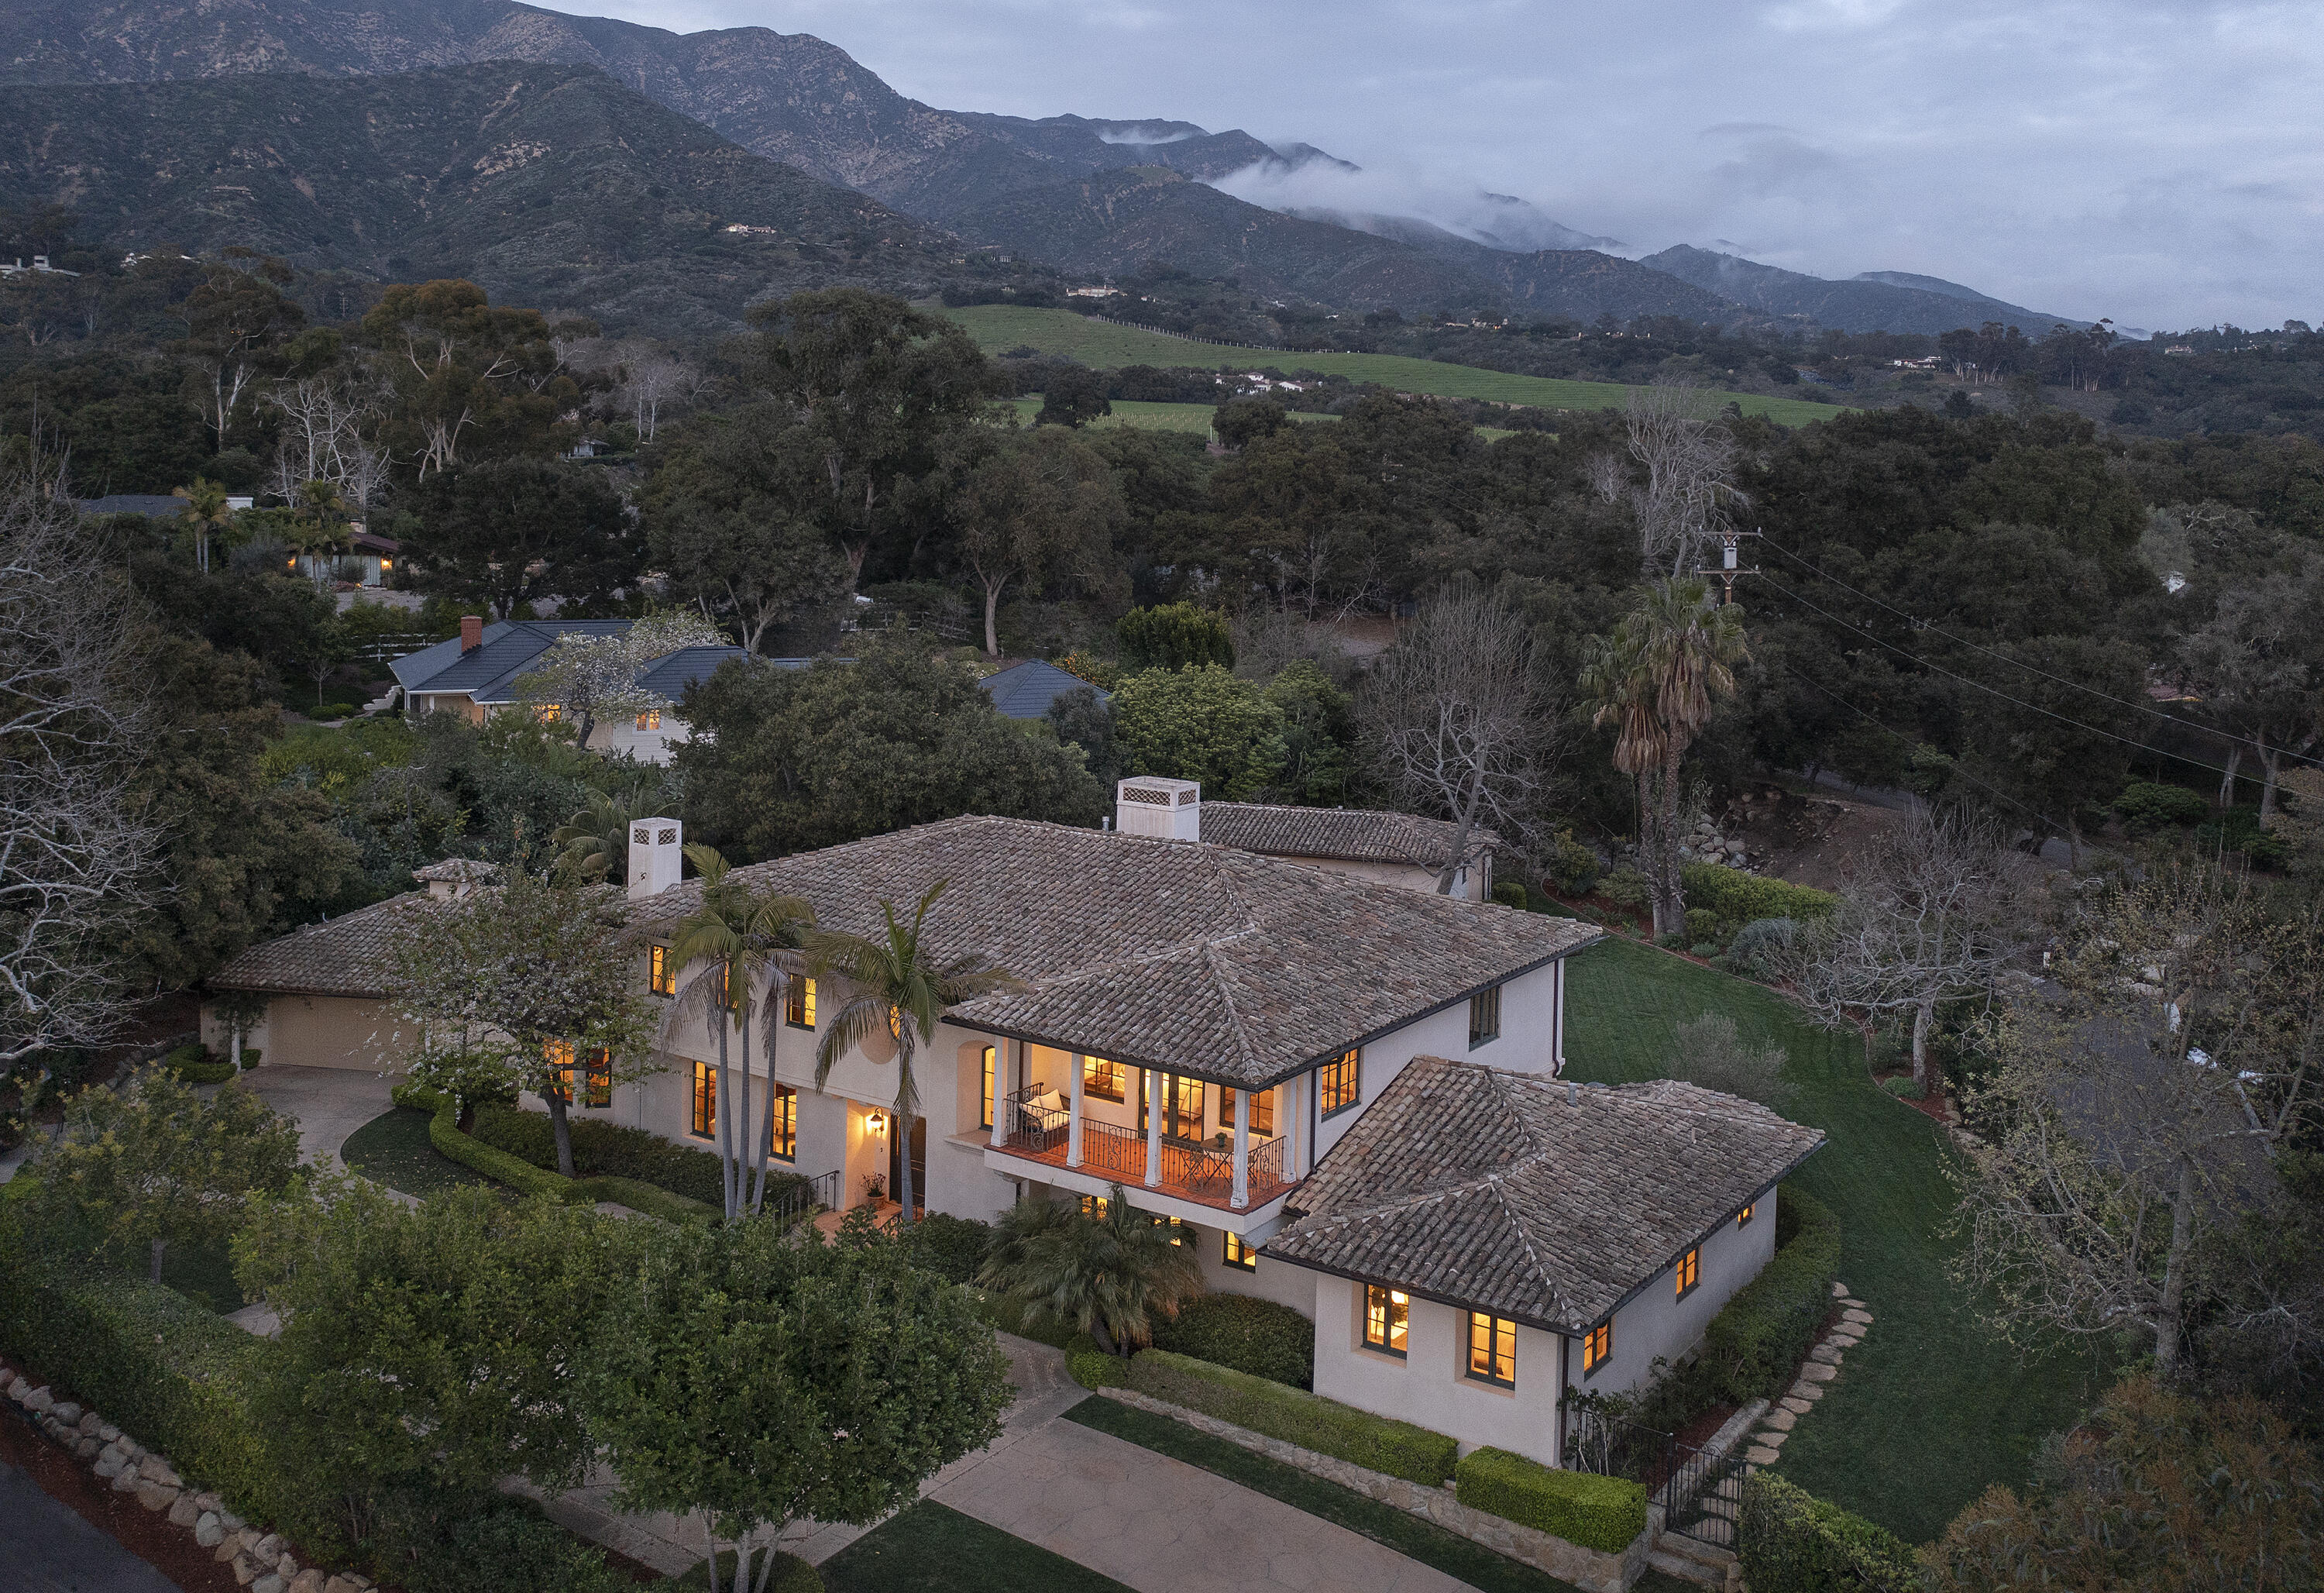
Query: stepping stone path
(1821, 1367)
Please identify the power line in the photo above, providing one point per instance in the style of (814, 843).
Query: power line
(1920, 623)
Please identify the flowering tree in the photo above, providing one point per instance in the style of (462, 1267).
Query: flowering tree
(597, 677)
(523, 985)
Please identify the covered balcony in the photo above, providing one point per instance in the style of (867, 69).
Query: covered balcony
(1184, 1137)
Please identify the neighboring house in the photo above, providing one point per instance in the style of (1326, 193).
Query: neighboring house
(1483, 1240)
(1401, 849)
(1203, 1027)
(369, 560)
(153, 505)
(1024, 690)
(476, 674)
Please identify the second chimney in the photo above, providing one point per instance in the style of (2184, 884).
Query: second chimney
(472, 631)
(657, 855)
(1171, 810)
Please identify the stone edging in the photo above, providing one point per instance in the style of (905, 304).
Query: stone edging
(262, 1561)
(1821, 1367)
(1589, 1569)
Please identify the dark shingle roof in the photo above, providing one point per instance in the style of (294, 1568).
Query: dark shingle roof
(1024, 690)
(1357, 834)
(671, 674)
(488, 674)
(1529, 1198)
(154, 505)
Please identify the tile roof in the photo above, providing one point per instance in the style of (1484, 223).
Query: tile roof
(1525, 1196)
(1359, 835)
(1024, 690)
(153, 504)
(344, 955)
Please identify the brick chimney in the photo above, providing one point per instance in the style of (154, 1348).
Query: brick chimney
(472, 631)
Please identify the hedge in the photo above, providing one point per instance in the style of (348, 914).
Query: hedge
(523, 1176)
(1740, 897)
(952, 1247)
(1296, 1417)
(608, 1149)
(1602, 1513)
(1244, 1333)
(1791, 1542)
(1758, 1336)
(196, 1065)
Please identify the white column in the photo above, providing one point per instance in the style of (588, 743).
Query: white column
(1152, 1086)
(1242, 1196)
(1073, 1116)
(1557, 1018)
(999, 1092)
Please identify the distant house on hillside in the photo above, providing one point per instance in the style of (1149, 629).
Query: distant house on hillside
(476, 674)
(1024, 690)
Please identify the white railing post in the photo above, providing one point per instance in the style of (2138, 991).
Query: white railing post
(1073, 1116)
(1240, 1197)
(1152, 1086)
(1000, 1106)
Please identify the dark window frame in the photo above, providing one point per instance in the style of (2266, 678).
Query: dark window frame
(1494, 1324)
(1688, 1273)
(1485, 1008)
(703, 1121)
(1596, 1347)
(1249, 1261)
(1349, 1064)
(782, 1124)
(798, 1002)
(662, 979)
(1388, 1320)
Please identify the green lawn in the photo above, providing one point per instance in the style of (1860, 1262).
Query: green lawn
(393, 1149)
(1000, 327)
(930, 1549)
(1407, 1534)
(1929, 1409)
(1154, 417)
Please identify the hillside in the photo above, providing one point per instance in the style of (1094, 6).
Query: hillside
(1890, 302)
(998, 328)
(550, 185)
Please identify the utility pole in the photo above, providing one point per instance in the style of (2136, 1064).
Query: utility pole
(1727, 571)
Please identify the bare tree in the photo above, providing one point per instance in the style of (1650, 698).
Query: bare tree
(652, 378)
(76, 858)
(1690, 463)
(1933, 910)
(2134, 1119)
(1456, 720)
(324, 422)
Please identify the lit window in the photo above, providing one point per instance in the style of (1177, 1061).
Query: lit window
(1386, 1312)
(1743, 1217)
(385, 564)
(1262, 1110)
(798, 1003)
(1492, 1348)
(1178, 1231)
(1094, 1208)
(1689, 1273)
(661, 978)
(1597, 1346)
(1241, 1256)
(548, 713)
(1484, 1016)
(705, 1100)
(650, 720)
(1101, 1078)
(1339, 1082)
(984, 1090)
(784, 1127)
(558, 1055)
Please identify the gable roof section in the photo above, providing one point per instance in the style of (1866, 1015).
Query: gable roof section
(488, 674)
(1355, 835)
(1530, 1197)
(671, 674)
(1024, 690)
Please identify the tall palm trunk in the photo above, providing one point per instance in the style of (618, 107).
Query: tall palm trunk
(722, 1105)
(907, 1104)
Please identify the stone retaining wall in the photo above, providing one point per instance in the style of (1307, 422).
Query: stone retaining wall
(262, 1561)
(1587, 1568)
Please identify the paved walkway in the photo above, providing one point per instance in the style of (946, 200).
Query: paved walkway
(45, 1547)
(328, 1103)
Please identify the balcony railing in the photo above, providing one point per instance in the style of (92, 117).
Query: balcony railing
(1030, 1126)
(1112, 1152)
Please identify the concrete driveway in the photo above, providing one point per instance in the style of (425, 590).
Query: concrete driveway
(329, 1104)
(46, 1547)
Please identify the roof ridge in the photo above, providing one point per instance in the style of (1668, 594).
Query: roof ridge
(1244, 1053)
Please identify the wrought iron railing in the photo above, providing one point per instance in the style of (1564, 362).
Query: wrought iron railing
(1114, 1151)
(1268, 1174)
(1028, 1125)
(1701, 1491)
(800, 1197)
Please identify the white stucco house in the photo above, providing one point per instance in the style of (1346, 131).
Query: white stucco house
(1344, 1092)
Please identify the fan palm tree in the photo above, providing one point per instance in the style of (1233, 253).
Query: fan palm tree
(1107, 1276)
(744, 938)
(206, 513)
(595, 843)
(1656, 680)
(895, 983)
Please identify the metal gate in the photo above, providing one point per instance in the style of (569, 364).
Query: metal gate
(1701, 1491)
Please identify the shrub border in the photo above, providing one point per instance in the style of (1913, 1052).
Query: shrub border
(523, 1176)
(1295, 1416)
(1606, 1514)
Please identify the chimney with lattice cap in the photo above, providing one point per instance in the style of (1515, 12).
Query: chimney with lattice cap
(657, 855)
(1149, 804)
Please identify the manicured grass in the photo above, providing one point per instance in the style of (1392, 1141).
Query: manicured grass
(1194, 418)
(998, 326)
(930, 1549)
(1930, 1408)
(1407, 1534)
(393, 1149)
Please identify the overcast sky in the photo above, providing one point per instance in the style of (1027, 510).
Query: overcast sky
(2161, 162)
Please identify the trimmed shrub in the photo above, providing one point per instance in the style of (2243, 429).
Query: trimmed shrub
(1758, 1336)
(1791, 1542)
(1571, 868)
(1510, 894)
(1757, 951)
(952, 1247)
(1296, 1417)
(2145, 808)
(1601, 1513)
(1740, 897)
(506, 1547)
(1245, 1334)
(1625, 887)
(608, 1154)
(195, 1065)
(1091, 1367)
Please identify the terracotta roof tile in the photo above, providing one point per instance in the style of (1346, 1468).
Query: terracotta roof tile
(1355, 835)
(1525, 1196)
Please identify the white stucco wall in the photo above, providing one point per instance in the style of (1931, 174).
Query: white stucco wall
(1658, 1323)
(1428, 1386)
(621, 736)
(316, 1031)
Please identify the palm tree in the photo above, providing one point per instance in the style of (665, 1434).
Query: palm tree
(744, 938)
(1107, 1276)
(206, 513)
(895, 983)
(595, 843)
(1657, 679)
(320, 526)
